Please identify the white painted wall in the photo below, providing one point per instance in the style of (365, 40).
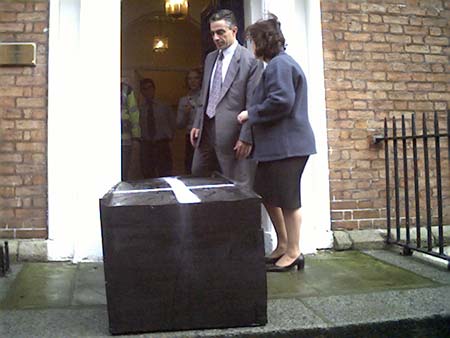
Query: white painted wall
(64, 37)
(316, 181)
(83, 122)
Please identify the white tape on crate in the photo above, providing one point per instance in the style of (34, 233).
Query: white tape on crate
(181, 191)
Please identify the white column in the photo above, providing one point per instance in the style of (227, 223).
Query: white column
(316, 183)
(84, 122)
(100, 116)
(253, 10)
(63, 132)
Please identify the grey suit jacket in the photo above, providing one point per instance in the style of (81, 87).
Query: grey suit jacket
(242, 76)
(279, 112)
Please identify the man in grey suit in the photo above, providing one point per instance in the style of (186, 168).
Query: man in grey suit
(230, 76)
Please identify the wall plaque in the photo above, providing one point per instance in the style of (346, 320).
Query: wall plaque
(17, 54)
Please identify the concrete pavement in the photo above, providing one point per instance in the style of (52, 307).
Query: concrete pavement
(371, 293)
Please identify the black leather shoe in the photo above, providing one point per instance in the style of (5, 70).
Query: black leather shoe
(299, 263)
(272, 260)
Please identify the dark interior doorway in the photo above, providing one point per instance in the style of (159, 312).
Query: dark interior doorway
(188, 43)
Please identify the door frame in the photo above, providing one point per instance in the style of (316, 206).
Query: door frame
(84, 120)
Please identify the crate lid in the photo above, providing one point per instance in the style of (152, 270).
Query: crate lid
(176, 190)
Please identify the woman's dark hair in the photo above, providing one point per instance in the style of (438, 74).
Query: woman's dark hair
(267, 37)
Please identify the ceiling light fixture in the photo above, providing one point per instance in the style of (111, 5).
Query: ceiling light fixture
(160, 44)
(177, 9)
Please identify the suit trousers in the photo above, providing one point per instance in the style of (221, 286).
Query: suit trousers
(156, 158)
(208, 158)
(188, 154)
(126, 159)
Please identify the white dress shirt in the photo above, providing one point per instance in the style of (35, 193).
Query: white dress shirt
(227, 56)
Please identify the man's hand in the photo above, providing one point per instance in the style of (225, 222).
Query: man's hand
(194, 136)
(242, 149)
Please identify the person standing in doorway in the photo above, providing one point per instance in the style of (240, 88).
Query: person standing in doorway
(187, 106)
(230, 75)
(283, 140)
(130, 129)
(158, 127)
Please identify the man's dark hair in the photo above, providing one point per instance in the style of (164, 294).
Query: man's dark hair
(267, 37)
(144, 82)
(224, 14)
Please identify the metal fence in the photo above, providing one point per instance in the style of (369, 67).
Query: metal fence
(414, 162)
(4, 259)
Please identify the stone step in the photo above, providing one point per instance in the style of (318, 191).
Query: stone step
(375, 293)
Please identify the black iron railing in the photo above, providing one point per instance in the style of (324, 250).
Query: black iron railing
(425, 174)
(4, 259)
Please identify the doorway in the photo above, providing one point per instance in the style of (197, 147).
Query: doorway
(82, 169)
(188, 43)
(141, 23)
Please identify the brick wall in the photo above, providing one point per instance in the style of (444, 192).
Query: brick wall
(382, 59)
(23, 124)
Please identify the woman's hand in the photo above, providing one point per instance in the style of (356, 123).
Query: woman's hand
(242, 149)
(242, 117)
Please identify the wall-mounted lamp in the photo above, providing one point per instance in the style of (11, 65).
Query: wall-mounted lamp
(177, 8)
(160, 44)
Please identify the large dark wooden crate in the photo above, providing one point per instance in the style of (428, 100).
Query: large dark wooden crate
(175, 266)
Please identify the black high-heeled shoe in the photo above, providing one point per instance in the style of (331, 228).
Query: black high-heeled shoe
(271, 260)
(299, 263)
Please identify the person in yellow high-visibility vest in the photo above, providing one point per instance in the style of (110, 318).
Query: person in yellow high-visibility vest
(131, 130)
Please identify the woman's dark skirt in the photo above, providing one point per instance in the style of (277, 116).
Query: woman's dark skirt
(278, 182)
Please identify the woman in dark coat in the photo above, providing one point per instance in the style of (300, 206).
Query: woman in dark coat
(283, 140)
